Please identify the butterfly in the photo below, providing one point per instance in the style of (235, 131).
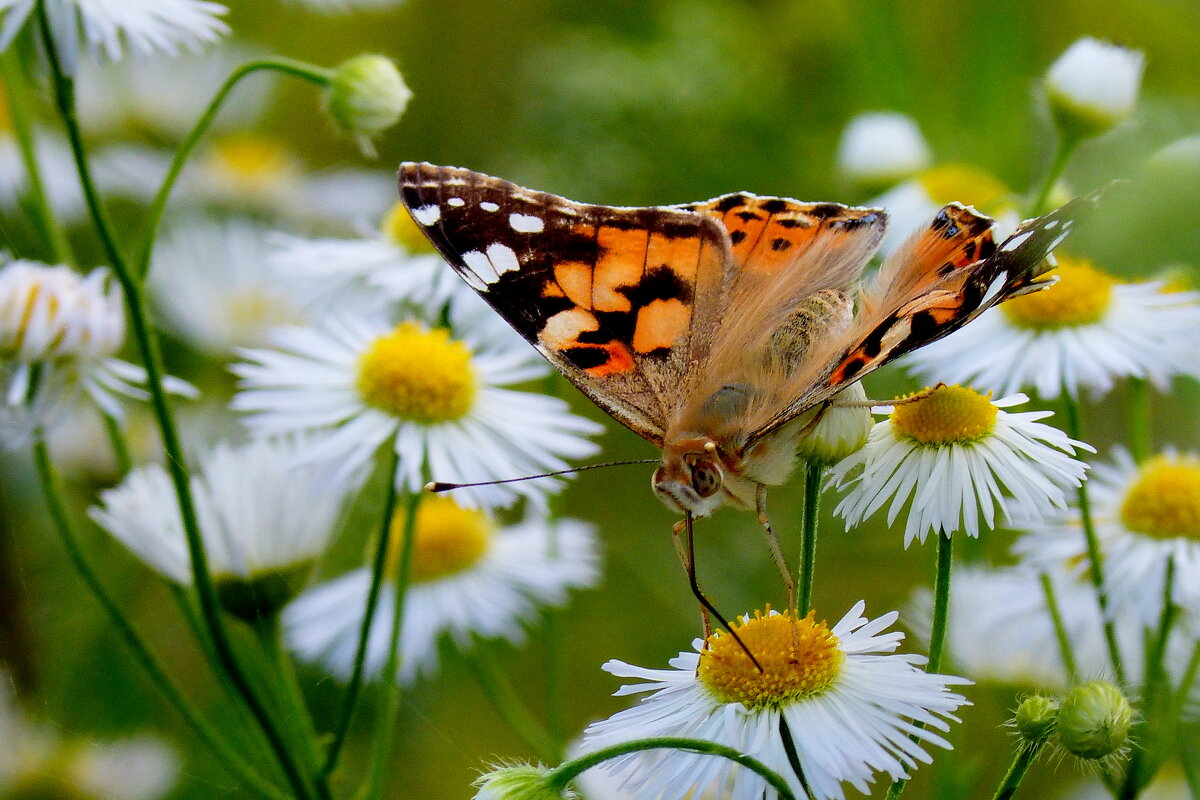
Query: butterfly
(711, 329)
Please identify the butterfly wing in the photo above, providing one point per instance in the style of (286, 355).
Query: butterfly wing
(621, 300)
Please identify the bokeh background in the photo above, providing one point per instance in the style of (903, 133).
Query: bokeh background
(643, 102)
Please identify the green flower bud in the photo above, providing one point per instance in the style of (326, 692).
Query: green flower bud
(840, 430)
(1093, 86)
(1035, 717)
(518, 782)
(365, 97)
(1094, 720)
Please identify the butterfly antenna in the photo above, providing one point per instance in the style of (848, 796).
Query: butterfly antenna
(439, 486)
(704, 601)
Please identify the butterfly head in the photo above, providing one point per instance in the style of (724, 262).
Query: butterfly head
(691, 477)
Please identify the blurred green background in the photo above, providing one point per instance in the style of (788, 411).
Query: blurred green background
(648, 102)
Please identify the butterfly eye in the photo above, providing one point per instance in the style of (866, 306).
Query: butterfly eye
(706, 478)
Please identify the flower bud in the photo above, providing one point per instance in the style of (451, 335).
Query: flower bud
(518, 782)
(366, 96)
(841, 430)
(882, 148)
(1093, 86)
(1035, 718)
(1094, 720)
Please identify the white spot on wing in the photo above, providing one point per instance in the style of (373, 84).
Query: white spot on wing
(1016, 241)
(427, 215)
(457, 202)
(480, 264)
(488, 205)
(524, 223)
(503, 258)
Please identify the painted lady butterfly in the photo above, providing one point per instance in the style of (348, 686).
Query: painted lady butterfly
(709, 328)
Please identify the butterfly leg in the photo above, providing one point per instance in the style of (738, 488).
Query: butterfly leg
(773, 542)
(921, 395)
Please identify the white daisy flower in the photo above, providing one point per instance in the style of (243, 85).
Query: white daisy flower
(436, 397)
(264, 520)
(958, 455)
(58, 334)
(1094, 85)
(1084, 332)
(345, 6)
(1143, 514)
(106, 28)
(469, 579)
(395, 264)
(881, 148)
(846, 704)
(216, 286)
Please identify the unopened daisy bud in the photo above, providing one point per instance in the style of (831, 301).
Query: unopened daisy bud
(366, 96)
(1035, 718)
(881, 148)
(54, 312)
(1094, 721)
(519, 782)
(841, 430)
(1093, 86)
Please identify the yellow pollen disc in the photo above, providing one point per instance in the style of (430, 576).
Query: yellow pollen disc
(1164, 500)
(949, 415)
(965, 184)
(400, 228)
(799, 658)
(450, 539)
(417, 374)
(1081, 297)
(250, 159)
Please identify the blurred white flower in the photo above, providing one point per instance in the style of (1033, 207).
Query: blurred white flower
(469, 579)
(57, 169)
(345, 6)
(1093, 86)
(139, 768)
(958, 455)
(880, 148)
(1084, 332)
(107, 28)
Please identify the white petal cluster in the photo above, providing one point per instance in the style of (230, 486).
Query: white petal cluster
(1094, 85)
(54, 312)
(881, 148)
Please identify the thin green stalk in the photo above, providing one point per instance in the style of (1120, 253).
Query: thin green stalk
(147, 342)
(1027, 753)
(1060, 630)
(154, 212)
(937, 632)
(120, 447)
(154, 669)
(1139, 418)
(1066, 146)
(512, 709)
(1095, 557)
(378, 567)
(561, 776)
(1186, 682)
(19, 114)
(813, 473)
(381, 756)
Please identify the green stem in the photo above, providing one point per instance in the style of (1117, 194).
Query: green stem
(1066, 146)
(1026, 755)
(19, 114)
(1186, 682)
(381, 757)
(512, 709)
(147, 342)
(378, 567)
(154, 669)
(1060, 630)
(120, 447)
(1095, 557)
(154, 212)
(937, 632)
(559, 777)
(813, 473)
(1139, 419)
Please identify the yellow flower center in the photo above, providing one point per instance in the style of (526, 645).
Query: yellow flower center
(450, 539)
(965, 184)
(799, 658)
(947, 415)
(256, 309)
(417, 374)
(251, 162)
(400, 228)
(1081, 297)
(1164, 500)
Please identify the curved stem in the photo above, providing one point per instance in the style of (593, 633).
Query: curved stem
(154, 212)
(558, 778)
(813, 473)
(391, 685)
(1060, 630)
(1026, 755)
(154, 669)
(147, 342)
(378, 565)
(517, 716)
(1066, 146)
(120, 447)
